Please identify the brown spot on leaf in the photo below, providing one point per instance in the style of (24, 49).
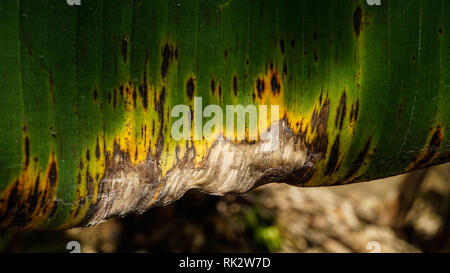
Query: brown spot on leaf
(341, 111)
(213, 86)
(27, 152)
(114, 98)
(354, 112)
(260, 87)
(284, 68)
(12, 202)
(190, 88)
(90, 186)
(33, 198)
(317, 147)
(143, 91)
(124, 48)
(333, 157)
(97, 150)
(275, 85)
(121, 90)
(356, 165)
(401, 110)
(316, 56)
(235, 85)
(167, 55)
(134, 97)
(315, 36)
(431, 150)
(53, 173)
(357, 21)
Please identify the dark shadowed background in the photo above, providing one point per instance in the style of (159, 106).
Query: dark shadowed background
(406, 213)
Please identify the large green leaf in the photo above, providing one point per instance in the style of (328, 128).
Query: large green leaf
(86, 94)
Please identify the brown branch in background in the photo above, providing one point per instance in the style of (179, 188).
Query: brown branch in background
(442, 239)
(404, 201)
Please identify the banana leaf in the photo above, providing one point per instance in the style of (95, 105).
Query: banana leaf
(88, 90)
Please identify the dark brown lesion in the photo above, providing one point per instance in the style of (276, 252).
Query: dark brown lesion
(53, 173)
(333, 157)
(341, 111)
(134, 94)
(358, 162)
(316, 55)
(160, 110)
(317, 146)
(190, 88)
(235, 85)
(430, 154)
(90, 184)
(167, 54)
(275, 84)
(293, 42)
(315, 36)
(401, 110)
(285, 70)
(124, 48)
(213, 87)
(143, 87)
(33, 198)
(354, 111)
(114, 98)
(260, 87)
(30, 200)
(11, 199)
(27, 151)
(97, 149)
(357, 21)
(111, 199)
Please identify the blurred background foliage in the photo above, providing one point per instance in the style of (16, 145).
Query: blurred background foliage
(406, 213)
